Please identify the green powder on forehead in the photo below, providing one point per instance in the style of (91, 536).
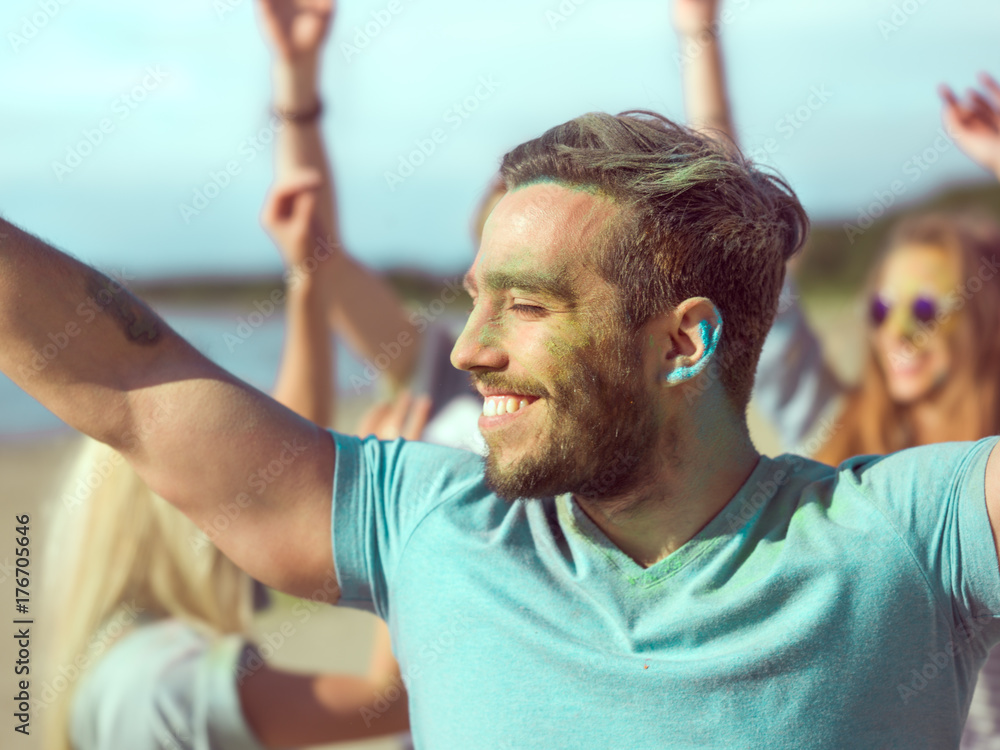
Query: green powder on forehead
(577, 187)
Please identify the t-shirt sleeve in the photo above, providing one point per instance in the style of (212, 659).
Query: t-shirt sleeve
(934, 496)
(382, 491)
(196, 702)
(171, 689)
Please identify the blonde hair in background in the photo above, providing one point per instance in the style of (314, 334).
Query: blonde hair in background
(120, 551)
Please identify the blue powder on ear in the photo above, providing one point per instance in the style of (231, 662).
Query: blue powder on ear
(710, 337)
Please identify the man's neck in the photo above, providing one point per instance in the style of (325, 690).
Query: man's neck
(682, 496)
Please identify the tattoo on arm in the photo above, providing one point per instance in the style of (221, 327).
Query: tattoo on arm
(139, 324)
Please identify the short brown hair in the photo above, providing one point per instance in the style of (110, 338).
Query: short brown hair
(697, 219)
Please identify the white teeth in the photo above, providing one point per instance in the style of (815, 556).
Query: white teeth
(495, 406)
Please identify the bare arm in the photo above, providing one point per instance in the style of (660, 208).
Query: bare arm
(198, 436)
(305, 378)
(292, 710)
(362, 306)
(705, 99)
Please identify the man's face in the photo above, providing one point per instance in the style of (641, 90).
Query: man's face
(567, 405)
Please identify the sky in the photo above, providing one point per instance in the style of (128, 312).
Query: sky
(840, 97)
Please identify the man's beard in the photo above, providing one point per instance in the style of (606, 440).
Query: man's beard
(598, 437)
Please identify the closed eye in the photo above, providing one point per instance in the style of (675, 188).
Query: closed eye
(531, 311)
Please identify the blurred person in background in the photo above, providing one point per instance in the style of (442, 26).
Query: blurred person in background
(975, 125)
(362, 307)
(358, 303)
(933, 367)
(155, 618)
(932, 370)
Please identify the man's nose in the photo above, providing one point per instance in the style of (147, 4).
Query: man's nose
(476, 348)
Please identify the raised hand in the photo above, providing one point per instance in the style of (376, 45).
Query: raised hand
(296, 28)
(405, 417)
(291, 217)
(974, 122)
(692, 17)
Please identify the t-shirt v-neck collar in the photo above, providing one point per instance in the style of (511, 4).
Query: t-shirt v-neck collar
(726, 522)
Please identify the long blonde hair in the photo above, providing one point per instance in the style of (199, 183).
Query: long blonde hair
(117, 553)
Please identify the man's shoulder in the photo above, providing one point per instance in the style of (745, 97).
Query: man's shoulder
(414, 475)
(923, 467)
(432, 457)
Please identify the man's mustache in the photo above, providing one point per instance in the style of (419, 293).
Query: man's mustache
(501, 382)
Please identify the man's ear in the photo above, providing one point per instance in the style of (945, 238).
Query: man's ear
(692, 332)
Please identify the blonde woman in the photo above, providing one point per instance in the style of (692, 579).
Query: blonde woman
(151, 644)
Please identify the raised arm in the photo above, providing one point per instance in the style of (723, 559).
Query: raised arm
(705, 99)
(238, 463)
(362, 306)
(305, 378)
(288, 709)
(974, 122)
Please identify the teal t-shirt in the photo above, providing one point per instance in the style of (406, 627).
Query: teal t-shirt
(821, 608)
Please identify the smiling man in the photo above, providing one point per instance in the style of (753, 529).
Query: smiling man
(625, 570)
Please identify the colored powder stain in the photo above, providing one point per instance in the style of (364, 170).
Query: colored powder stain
(710, 338)
(489, 335)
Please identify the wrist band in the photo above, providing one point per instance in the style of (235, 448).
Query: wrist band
(301, 117)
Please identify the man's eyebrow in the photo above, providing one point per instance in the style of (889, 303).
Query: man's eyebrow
(555, 286)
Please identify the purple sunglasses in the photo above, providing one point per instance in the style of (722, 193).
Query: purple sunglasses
(924, 309)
